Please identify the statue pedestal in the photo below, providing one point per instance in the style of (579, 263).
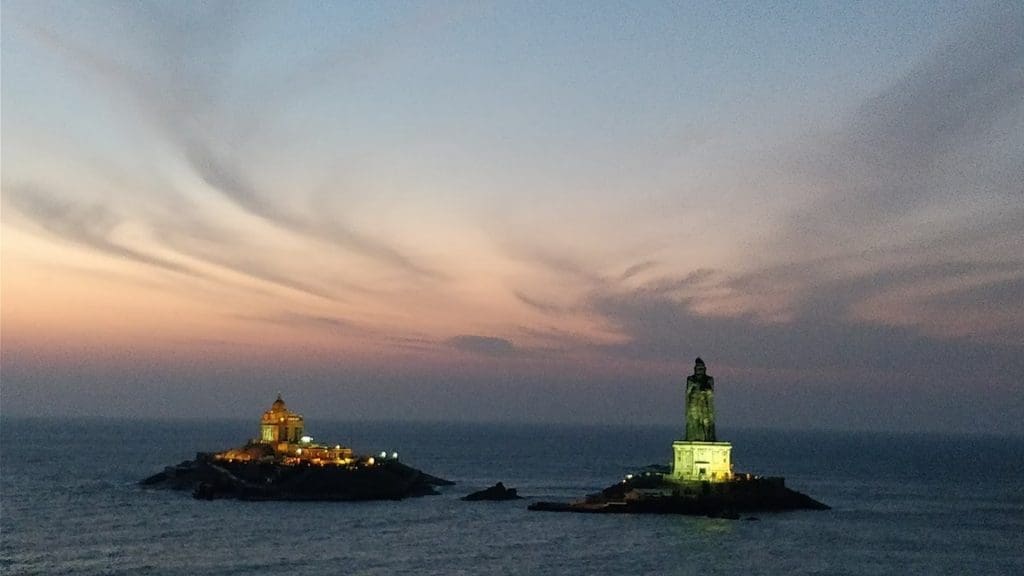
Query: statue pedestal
(702, 461)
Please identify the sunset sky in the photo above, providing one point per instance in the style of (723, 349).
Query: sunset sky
(515, 211)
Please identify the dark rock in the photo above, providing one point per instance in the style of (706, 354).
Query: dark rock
(496, 492)
(204, 491)
(434, 480)
(657, 469)
(652, 494)
(210, 478)
(555, 507)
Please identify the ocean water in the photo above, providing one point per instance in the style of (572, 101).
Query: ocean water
(902, 504)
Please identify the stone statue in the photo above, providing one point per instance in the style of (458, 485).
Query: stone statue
(700, 405)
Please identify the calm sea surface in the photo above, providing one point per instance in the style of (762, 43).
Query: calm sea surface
(902, 504)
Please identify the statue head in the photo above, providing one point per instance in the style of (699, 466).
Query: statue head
(699, 367)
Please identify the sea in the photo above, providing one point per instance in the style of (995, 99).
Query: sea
(901, 504)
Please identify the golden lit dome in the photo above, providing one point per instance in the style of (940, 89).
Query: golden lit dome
(280, 425)
(278, 405)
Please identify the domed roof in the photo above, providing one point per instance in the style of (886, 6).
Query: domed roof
(278, 405)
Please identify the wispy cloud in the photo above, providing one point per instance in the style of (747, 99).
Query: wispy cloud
(554, 262)
(89, 226)
(541, 305)
(660, 327)
(222, 176)
(918, 143)
(180, 97)
(93, 226)
(919, 189)
(484, 345)
(638, 268)
(320, 322)
(687, 282)
(905, 210)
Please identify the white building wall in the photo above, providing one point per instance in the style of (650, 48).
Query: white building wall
(710, 461)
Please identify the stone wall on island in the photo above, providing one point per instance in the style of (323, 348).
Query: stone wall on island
(703, 461)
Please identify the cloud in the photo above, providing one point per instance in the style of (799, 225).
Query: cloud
(1002, 296)
(672, 284)
(93, 226)
(658, 327)
(922, 142)
(220, 175)
(315, 321)
(917, 194)
(556, 263)
(900, 261)
(189, 234)
(540, 305)
(484, 345)
(89, 226)
(638, 268)
(178, 92)
(259, 269)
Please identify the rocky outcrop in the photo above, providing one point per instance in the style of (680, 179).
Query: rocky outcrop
(653, 494)
(209, 478)
(496, 493)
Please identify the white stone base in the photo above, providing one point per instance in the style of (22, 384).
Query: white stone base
(702, 461)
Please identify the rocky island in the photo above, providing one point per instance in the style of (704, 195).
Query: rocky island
(700, 481)
(285, 464)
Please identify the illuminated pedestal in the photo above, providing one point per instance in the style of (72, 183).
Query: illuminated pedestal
(702, 461)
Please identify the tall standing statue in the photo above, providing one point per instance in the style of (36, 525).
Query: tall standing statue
(700, 405)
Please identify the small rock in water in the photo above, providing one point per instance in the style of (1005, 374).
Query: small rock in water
(496, 492)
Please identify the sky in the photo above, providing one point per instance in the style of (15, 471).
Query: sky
(515, 211)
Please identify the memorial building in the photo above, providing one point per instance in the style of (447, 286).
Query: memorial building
(282, 438)
(280, 425)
